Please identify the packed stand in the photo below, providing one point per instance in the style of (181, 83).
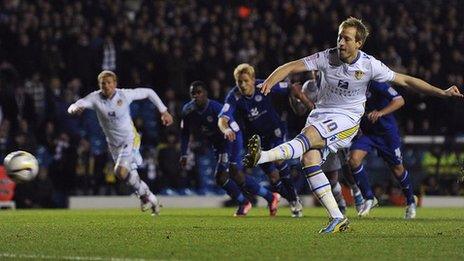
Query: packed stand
(51, 52)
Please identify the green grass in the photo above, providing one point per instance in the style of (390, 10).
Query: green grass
(213, 234)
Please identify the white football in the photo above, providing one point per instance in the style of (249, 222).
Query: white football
(21, 166)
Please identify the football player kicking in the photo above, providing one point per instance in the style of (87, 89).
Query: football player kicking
(199, 119)
(113, 112)
(380, 131)
(347, 72)
(258, 115)
(334, 163)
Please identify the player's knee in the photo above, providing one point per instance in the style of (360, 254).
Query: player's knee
(316, 140)
(309, 160)
(121, 172)
(354, 161)
(237, 175)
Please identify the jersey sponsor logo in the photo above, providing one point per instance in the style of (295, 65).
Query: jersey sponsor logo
(254, 112)
(112, 113)
(258, 98)
(358, 75)
(119, 102)
(342, 84)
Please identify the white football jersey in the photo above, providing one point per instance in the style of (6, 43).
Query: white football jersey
(114, 113)
(343, 86)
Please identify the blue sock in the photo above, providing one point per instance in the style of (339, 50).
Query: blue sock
(287, 185)
(406, 186)
(254, 188)
(233, 190)
(362, 180)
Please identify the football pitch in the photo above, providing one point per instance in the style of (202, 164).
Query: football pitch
(213, 234)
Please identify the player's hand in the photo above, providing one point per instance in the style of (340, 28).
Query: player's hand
(374, 116)
(453, 91)
(183, 162)
(166, 118)
(266, 87)
(75, 110)
(229, 134)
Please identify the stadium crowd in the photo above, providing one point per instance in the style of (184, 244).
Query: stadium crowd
(51, 52)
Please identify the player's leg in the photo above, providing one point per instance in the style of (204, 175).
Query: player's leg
(294, 201)
(362, 180)
(248, 184)
(331, 167)
(230, 186)
(343, 155)
(320, 186)
(355, 191)
(293, 149)
(278, 185)
(389, 149)
(127, 160)
(321, 129)
(403, 177)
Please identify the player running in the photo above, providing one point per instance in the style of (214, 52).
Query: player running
(113, 112)
(380, 132)
(259, 116)
(347, 72)
(199, 118)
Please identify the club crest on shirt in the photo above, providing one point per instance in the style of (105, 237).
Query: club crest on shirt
(119, 102)
(258, 98)
(358, 75)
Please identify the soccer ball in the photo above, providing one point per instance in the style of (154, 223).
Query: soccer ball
(21, 166)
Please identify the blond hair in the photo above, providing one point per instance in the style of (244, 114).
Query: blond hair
(361, 30)
(107, 73)
(244, 68)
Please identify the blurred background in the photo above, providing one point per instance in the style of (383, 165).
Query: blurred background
(52, 51)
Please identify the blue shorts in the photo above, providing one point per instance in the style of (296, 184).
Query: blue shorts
(388, 146)
(229, 153)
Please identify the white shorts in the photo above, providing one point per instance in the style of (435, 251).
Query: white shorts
(337, 129)
(127, 155)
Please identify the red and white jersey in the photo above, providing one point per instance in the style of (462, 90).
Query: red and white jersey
(343, 86)
(114, 113)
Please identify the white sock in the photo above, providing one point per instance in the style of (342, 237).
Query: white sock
(289, 150)
(320, 186)
(139, 187)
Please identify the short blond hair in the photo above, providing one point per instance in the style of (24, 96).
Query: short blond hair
(107, 73)
(244, 68)
(361, 30)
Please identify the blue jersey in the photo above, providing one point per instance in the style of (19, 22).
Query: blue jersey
(256, 111)
(201, 124)
(379, 95)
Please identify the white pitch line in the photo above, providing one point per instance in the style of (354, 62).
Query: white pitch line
(83, 258)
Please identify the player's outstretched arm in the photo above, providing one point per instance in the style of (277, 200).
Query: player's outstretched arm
(421, 86)
(281, 72)
(80, 105)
